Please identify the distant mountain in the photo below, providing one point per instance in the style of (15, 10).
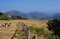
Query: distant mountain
(17, 13)
(40, 15)
(35, 15)
(56, 15)
(5, 16)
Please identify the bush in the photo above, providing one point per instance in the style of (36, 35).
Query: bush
(54, 26)
(41, 31)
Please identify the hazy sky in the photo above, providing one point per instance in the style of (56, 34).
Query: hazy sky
(30, 5)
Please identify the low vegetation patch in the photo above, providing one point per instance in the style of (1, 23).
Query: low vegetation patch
(41, 31)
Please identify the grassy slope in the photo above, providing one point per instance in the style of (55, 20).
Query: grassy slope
(6, 33)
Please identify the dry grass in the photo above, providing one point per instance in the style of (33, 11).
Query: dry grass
(6, 33)
(35, 23)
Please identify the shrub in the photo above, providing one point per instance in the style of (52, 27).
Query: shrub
(54, 26)
(41, 31)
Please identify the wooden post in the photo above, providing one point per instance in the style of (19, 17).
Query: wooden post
(25, 29)
(28, 36)
(36, 36)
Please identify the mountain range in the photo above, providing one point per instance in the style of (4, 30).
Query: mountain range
(35, 15)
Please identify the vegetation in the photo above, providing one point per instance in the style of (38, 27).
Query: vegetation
(1, 13)
(17, 18)
(54, 26)
(41, 31)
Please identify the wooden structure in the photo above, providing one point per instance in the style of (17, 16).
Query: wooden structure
(22, 32)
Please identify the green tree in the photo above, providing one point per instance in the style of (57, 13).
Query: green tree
(1, 13)
(54, 26)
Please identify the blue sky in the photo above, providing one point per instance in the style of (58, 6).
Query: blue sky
(30, 5)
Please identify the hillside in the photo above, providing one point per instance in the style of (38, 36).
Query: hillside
(17, 13)
(7, 32)
(6, 16)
